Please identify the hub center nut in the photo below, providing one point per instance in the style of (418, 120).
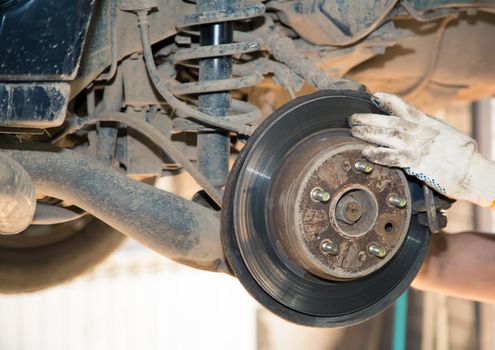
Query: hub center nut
(348, 210)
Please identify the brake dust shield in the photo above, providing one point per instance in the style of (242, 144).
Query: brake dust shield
(314, 232)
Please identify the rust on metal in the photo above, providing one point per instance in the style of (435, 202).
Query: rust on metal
(363, 229)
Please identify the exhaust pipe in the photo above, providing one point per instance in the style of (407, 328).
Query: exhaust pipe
(176, 228)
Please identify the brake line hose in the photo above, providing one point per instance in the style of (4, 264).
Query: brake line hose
(161, 87)
(153, 135)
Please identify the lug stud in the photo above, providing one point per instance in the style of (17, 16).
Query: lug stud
(319, 195)
(329, 247)
(397, 201)
(364, 167)
(377, 250)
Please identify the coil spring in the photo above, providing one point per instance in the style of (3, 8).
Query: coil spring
(243, 112)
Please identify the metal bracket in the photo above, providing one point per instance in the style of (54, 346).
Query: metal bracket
(431, 210)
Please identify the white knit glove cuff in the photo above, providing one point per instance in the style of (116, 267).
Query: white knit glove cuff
(478, 185)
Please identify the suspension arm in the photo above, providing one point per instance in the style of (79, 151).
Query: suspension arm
(174, 227)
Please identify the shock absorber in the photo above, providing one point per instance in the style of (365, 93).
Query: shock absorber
(216, 27)
(213, 146)
(216, 43)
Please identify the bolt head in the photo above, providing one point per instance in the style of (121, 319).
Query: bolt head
(377, 250)
(397, 201)
(353, 211)
(320, 195)
(329, 247)
(364, 167)
(348, 210)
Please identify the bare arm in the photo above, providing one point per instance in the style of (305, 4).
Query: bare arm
(461, 265)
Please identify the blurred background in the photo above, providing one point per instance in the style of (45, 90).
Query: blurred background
(138, 300)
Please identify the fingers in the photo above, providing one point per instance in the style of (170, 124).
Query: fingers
(391, 138)
(383, 130)
(385, 156)
(394, 105)
(381, 121)
(392, 134)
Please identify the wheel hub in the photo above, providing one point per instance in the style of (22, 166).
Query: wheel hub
(354, 215)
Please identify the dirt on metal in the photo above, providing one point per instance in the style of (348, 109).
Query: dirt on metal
(365, 217)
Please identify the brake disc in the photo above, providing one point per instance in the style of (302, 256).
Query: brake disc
(315, 233)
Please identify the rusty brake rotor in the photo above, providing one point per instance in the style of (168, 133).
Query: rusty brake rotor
(314, 232)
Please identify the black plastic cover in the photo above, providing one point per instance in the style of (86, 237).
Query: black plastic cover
(40, 105)
(42, 39)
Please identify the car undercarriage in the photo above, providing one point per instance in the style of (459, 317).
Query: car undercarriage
(99, 99)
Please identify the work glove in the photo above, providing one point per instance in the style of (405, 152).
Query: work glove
(425, 147)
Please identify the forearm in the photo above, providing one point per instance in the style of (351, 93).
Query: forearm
(461, 265)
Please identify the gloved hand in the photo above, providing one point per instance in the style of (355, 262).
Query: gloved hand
(428, 148)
